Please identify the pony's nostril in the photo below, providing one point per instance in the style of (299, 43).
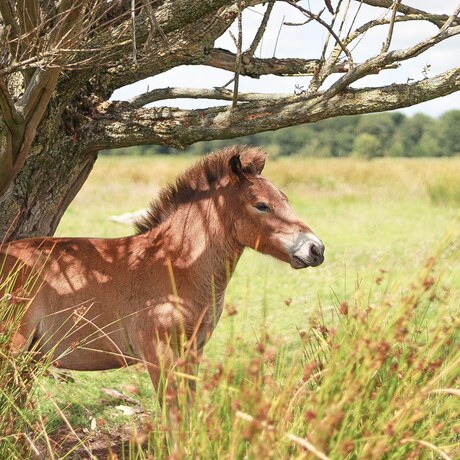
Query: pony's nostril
(316, 250)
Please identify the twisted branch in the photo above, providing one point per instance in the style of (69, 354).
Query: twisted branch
(120, 124)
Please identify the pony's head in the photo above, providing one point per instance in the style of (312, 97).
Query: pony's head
(264, 220)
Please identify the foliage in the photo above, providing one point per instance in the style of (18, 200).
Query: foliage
(366, 136)
(366, 145)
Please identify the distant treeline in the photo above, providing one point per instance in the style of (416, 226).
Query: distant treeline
(391, 134)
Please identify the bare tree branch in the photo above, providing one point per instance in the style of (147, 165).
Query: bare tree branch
(200, 93)
(384, 59)
(224, 59)
(256, 67)
(437, 19)
(361, 30)
(386, 45)
(239, 44)
(261, 30)
(118, 124)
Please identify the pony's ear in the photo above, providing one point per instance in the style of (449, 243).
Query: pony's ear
(253, 161)
(259, 163)
(235, 168)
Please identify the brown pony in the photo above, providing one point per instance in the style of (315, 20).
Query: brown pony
(106, 303)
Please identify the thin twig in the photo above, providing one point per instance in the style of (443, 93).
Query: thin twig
(451, 18)
(364, 28)
(318, 19)
(260, 31)
(235, 40)
(437, 19)
(386, 45)
(297, 24)
(355, 17)
(238, 58)
(154, 24)
(334, 18)
(133, 28)
(229, 82)
(278, 36)
(327, 65)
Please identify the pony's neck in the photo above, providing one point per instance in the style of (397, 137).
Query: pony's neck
(199, 241)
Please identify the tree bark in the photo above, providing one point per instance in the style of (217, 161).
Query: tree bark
(119, 124)
(34, 204)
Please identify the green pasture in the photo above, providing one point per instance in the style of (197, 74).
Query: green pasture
(391, 228)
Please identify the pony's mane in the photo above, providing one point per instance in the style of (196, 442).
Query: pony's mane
(199, 177)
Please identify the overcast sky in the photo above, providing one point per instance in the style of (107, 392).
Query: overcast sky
(306, 42)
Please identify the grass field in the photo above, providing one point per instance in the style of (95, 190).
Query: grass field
(358, 358)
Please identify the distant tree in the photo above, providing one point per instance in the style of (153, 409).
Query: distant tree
(396, 148)
(61, 60)
(449, 130)
(429, 144)
(367, 146)
(411, 132)
(290, 141)
(397, 117)
(338, 134)
(382, 127)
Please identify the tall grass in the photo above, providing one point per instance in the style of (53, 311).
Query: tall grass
(445, 190)
(378, 376)
(19, 371)
(379, 381)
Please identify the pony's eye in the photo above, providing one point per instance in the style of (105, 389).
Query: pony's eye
(262, 207)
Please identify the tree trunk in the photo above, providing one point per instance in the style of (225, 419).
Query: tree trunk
(49, 180)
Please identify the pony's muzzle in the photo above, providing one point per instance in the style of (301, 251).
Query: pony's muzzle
(307, 251)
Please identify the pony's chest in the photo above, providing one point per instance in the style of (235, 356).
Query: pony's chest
(182, 315)
(211, 315)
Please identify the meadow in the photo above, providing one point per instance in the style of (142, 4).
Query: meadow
(357, 358)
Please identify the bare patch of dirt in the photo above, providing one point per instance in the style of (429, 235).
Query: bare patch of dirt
(109, 443)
